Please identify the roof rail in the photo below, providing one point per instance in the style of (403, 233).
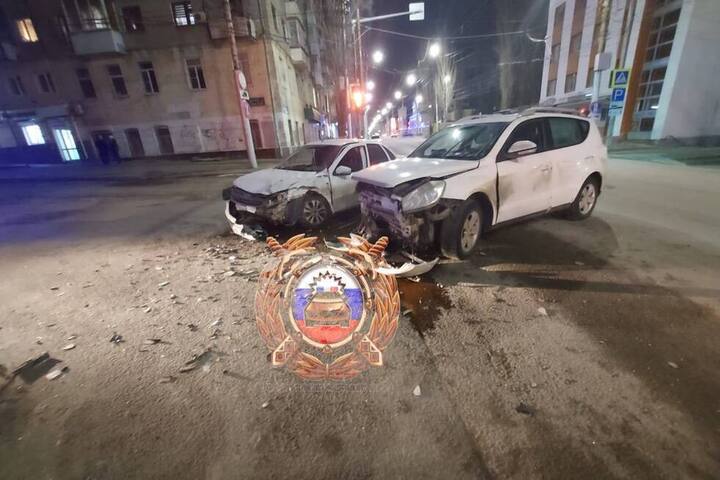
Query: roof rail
(568, 111)
(477, 116)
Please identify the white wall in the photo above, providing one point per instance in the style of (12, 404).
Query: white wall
(691, 107)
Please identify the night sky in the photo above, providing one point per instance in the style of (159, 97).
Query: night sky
(478, 79)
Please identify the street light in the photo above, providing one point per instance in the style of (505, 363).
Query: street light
(398, 95)
(388, 105)
(434, 50)
(370, 85)
(384, 111)
(446, 79)
(411, 79)
(418, 99)
(378, 57)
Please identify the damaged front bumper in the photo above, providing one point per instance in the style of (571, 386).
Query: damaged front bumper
(382, 213)
(281, 208)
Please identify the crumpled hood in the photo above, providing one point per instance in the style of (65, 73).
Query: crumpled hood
(393, 173)
(274, 180)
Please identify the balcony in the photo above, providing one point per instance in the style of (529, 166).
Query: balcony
(244, 27)
(299, 58)
(97, 41)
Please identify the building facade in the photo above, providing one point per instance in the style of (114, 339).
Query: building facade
(157, 76)
(670, 48)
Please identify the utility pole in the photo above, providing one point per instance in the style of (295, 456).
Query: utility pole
(240, 86)
(601, 57)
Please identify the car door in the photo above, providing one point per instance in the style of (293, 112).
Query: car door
(344, 193)
(525, 178)
(570, 156)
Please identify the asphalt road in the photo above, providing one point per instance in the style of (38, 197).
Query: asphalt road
(561, 350)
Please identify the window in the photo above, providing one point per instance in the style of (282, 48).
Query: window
(195, 74)
(148, 75)
(651, 82)
(390, 154)
(575, 42)
(661, 37)
(570, 80)
(46, 83)
(182, 12)
(531, 130)
(567, 132)
(245, 67)
(33, 134)
(26, 30)
(555, 53)
(164, 140)
(118, 81)
(86, 84)
(66, 144)
(646, 124)
(551, 86)
(376, 154)
(353, 159)
(132, 19)
(16, 85)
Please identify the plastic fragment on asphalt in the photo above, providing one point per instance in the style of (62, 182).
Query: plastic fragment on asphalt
(673, 364)
(542, 311)
(417, 391)
(163, 284)
(265, 404)
(167, 379)
(56, 373)
(525, 409)
(116, 338)
(69, 346)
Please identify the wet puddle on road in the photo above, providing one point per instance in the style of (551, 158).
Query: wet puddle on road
(423, 302)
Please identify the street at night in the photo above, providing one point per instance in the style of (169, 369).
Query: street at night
(617, 375)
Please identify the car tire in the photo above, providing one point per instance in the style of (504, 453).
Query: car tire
(585, 201)
(314, 211)
(460, 232)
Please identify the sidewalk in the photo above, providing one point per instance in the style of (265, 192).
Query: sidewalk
(132, 170)
(673, 154)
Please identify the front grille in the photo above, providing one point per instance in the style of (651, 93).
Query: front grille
(239, 195)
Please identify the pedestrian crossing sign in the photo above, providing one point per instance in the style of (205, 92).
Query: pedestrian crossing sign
(620, 78)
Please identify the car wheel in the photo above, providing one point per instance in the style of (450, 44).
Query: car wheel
(460, 232)
(315, 211)
(585, 201)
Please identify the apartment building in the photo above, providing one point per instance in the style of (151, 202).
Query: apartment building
(670, 48)
(157, 76)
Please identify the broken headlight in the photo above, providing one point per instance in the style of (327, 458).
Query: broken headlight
(425, 196)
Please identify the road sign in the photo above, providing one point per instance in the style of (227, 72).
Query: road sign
(417, 11)
(595, 110)
(620, 78)
(618, 95)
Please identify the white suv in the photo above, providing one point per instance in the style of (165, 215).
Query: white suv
(482, 172)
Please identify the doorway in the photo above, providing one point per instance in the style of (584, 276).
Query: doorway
(255, 132)
(164, 140)
(135, 142)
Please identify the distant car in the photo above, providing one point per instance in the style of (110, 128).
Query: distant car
(306, 188)
(375, 136)
(482, 172)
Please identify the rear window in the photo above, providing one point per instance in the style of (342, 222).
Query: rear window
(568, 131)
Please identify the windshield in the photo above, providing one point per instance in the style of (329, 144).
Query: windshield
(311, 158)
(470, 142)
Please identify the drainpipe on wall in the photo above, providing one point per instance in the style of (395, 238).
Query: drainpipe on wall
(270, 83)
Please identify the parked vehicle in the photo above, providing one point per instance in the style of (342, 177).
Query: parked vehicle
(308, 187)
(482, 172)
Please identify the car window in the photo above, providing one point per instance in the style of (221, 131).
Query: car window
(311, 158)
(389, 152)
(567, 131)
(462, 142)
(376, 154)
(353, 159)
(531, 130)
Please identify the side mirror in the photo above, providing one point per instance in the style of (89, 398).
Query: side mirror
(343, 171)
(521, 148)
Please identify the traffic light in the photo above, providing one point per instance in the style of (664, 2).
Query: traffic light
(357, 97)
